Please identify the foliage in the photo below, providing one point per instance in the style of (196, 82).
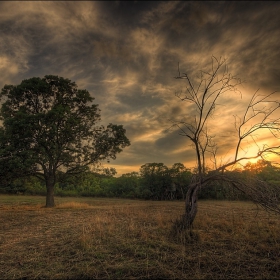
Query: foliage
(102, 183)
(181, 178)
(50, 126)
(162, 183)
(155, 180)
(127, 186)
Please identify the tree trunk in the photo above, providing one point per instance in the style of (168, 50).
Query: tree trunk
(50, 182)
(183, 193)
(190, 206)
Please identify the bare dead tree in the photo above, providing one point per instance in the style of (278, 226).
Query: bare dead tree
(261, 114)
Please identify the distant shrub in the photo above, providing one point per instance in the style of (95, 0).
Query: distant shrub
(63, 193)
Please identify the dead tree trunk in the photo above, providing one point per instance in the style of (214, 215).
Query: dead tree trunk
(186, 220)
(183, 225)
(190, 206)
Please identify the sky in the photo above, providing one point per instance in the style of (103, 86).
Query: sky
(126, 55)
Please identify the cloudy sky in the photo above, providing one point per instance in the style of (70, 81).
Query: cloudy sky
(126, 55)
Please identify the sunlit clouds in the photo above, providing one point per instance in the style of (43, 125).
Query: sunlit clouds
(126, 55)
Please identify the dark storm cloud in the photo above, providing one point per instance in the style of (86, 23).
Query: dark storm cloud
(126, 54)
(170, 141)
(166, 149)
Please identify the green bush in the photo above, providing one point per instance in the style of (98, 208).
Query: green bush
(63, 193)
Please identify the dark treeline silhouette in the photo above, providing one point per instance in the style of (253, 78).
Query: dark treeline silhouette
(154, 181)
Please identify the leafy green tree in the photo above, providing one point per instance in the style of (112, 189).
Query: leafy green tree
(127, 185)
(107, 171)
(181, 178)
(49, 125)
(155, 179)
(262, 168)
(265, 171)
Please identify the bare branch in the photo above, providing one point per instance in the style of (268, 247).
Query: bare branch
(261, 115)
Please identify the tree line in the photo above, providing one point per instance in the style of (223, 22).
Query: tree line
(154, 181)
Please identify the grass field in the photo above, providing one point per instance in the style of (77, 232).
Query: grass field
(95, 238)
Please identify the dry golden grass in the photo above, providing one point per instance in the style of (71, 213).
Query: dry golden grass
(73, 205)
(126, 239)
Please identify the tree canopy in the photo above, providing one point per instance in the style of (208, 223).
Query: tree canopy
(50, 125)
